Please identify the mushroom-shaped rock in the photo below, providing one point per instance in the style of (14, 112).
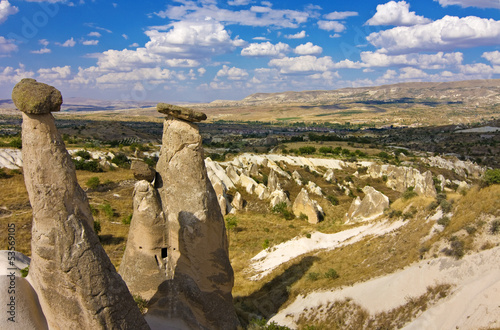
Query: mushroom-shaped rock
(181, 112)
(76, 283)
(33, 97)
(142, 171)
(304, 205)
(373, 205)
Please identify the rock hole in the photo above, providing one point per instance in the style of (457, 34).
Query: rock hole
(164, 252)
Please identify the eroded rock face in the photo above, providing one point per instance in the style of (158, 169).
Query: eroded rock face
(181, 112)
(372, 206)
(142, 171)
(143, 266)
(304, 205)
(33, 97)
(273, 181)
(199, 277)
(77, 285)
(401, 178)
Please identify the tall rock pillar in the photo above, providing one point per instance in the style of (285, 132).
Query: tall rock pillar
(199, 276)
(77, 285)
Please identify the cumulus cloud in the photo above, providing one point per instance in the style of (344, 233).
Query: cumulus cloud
(68, 43)
(410, 73)
(331, 25)
(94, 34)
(492, 57)
(450, 32)
(266, 49)
(471, 3)
(9, 75)
(239, 2)
(43, 50)
(90, 42)
(396, 13)
(303, 64)
(6, 10)
(339, 15)
(423, 61)
(54, 74)
(308, 49)
(7, 46)
(298, 35)
(232, 73)
(259, 16)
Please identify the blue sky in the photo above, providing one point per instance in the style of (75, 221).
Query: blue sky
(199, 51)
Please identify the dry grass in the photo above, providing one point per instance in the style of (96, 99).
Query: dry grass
(348, 315)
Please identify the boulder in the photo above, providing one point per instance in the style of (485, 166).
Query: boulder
(181, 112)
(32, 97)
(232, 174)
(272, 181)
(304, 205)
(237, 202)
(76, 283)
(248, 183)
(142, 171)
(372, 206)
(199, 276)
(143, 264)
(314, 188)
(279, 196)
(262, 191)
(329, 175)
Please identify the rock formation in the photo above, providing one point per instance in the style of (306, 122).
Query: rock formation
(77, 285)
(143, 265)
(142, 171)
(279, 196)
(273, 181)
(304, 205)
(237, 202)
(373, 205)
(401, 178)
(199, 277)
(329, 175)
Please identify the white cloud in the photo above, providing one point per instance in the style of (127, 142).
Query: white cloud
(239, 2)
(199, 39)
(192, 11)
(423, 61)
(54, 74)
(9, 75)
(410, 73)
(7, 46)
(68, 43)
(492, 57)
(260, 38)
(331, 25)
(125, 36)
(44, 42)
(339, 15)
(303, 64)
(396, 13)
(266, 49)
(201, 71)
(298, 35)
(471, 3)
(450, 32)
(94, 34)
(308, 49)
(135, 44)
(90, 42)
(6, 10)
(232, 73)
(43, 50)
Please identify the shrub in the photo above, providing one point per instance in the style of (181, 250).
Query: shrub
(108, 210)
(127, 220)
(308, 235)
(302, 216)
(444, 221)
(83, 154)
(331, 273)
(491, 176)
(265, 245)
(307, 150)
(456, 248)
(326, 150)
(25, 271)
(16, 143)
(409, 193)
(97, 227)
(231, 222)
(121, 160)
(470, 230)
(495, 226)
(332, 199)
(90, 165)
(282, 208)
(446, 206)
(312, 276)
(141, 303)
(93, 182)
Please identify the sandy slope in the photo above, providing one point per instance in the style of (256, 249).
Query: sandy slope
(473, 303)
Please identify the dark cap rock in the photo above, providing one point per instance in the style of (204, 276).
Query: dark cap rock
(33, 97)
(181, 112)
(142, 171)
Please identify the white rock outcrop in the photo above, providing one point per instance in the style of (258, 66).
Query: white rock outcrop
(310, 208)
(372, 206)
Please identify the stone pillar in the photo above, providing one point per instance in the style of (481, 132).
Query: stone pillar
(199, 276)
(77, 285)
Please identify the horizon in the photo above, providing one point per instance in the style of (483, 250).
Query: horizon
(200, 51)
